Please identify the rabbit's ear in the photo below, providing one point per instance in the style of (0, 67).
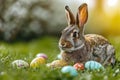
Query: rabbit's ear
(82, 15)
(70, 16)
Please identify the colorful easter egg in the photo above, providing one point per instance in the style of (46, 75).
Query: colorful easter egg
(93, 65)
(42, 55)
(35, 63)
(69, 70)
(20, 64)
(79, 66)
(57, 64)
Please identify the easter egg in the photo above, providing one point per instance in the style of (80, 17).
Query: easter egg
(79, 66)
(57, 64)
(93, 65)
(20, 64)
(59, 56)
(42, 55)
(35, 63)
(69, 70)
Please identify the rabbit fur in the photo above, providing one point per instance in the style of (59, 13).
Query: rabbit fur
(76, 47)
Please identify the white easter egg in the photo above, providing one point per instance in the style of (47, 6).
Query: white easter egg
(59, 56)
(20, 64)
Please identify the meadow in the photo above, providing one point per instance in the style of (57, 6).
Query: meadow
(27, 50)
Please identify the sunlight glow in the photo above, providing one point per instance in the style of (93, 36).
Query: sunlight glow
(111, 7)
(112, 3)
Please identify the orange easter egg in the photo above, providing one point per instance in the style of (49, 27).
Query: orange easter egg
(79, 66)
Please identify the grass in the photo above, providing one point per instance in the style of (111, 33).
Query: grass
(48, 45)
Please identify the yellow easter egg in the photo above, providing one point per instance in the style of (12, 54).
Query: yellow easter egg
(35, 63)
(57, 64)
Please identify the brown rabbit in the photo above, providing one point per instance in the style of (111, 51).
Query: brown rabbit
(77, 47)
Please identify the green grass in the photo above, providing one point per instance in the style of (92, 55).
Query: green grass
(48, 45)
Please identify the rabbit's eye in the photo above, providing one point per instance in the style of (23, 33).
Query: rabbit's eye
(75, 34)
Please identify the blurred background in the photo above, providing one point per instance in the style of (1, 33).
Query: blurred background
(28, 19)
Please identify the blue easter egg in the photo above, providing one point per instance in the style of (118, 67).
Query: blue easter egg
(93, 65)
(70, 70)
(59, 56)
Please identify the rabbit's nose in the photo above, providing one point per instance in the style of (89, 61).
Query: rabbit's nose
(64, 44)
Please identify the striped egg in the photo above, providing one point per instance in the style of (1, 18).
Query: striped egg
(35, 63)
(42, 55)
(93, 65)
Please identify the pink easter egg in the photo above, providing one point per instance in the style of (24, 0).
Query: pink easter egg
(42, 55)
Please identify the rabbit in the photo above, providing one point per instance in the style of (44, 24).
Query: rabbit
(76, 47)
